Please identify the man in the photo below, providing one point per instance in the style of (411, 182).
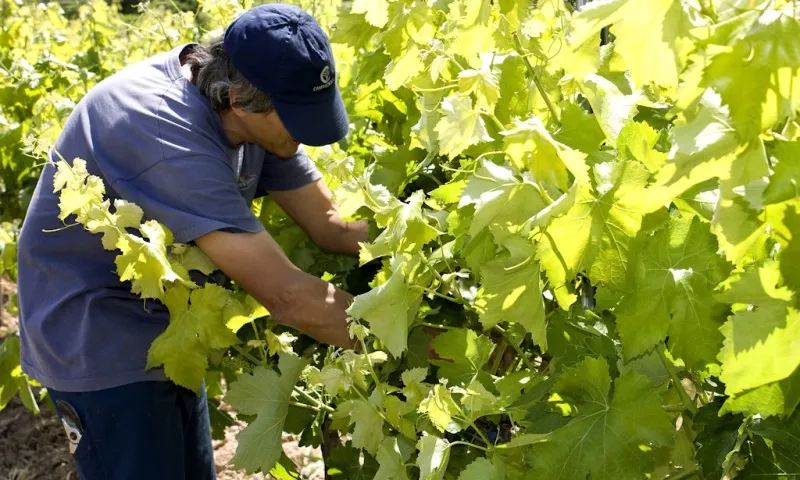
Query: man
(183, 135)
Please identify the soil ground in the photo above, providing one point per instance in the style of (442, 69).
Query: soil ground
(34, 447)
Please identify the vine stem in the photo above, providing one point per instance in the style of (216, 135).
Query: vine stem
(687, 402)
(437, 89)
(247, 355)
(54, 230)
(501, 350)
(441, 295)
(374, 375)
(433, 179)
(542, 192)
(536, 80)
(440, 278)
(418, 170)
(461, 442)
(520, 354)
(495, 120)
(480, 434)
(684, 475)
(433, 325)
(729, 463)
(304, 405)
(486, 154)
(311, 399)
(160, 24)
(258, 337)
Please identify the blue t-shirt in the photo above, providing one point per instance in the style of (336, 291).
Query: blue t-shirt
(155, 141)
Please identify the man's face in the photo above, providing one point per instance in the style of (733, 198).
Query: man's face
(267, 131)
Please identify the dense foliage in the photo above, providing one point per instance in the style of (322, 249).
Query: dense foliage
(585, 265)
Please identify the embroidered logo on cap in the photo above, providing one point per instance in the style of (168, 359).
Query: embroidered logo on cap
(325, 78)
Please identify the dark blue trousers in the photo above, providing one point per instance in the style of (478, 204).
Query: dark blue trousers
(146, 430)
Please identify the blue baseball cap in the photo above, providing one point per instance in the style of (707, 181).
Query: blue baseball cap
(284, 52)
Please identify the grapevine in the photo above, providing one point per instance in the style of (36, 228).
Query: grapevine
(584, 258)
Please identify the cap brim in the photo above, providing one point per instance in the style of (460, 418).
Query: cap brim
(315, 124)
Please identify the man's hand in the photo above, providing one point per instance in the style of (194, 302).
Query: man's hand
(312, 208)
(294, 298)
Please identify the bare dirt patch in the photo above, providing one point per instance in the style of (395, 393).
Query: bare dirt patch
(33, 447)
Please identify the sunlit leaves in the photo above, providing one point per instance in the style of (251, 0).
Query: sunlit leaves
(439, 407)
(399, 71)
(784, 183)
(368, 424)
(761, 343)
(577, 245)
(595, 233)
(192, 258)
(407, 232)
(756, 75)
(352, 29)
(391, 460)
(613, 106)
(511, 291)
(491, 189)
(433, 457)
(265, 394)
(238, 313)
(637, 140)
(579, 129)
(462, 354)
(460, 126)
(650, 36)
(196, 329)
(77, 189)
(669, 293)
(144, 262)
(703, 146)
(790, 255)
(349, 371)
(389, 309)
(198, 326)
(376, 12)
(531, 147)
(423, 133)
(482, 84)
(604, 436)
(101, 220)
(482, 469)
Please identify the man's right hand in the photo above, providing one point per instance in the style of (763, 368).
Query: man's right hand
(294, 298)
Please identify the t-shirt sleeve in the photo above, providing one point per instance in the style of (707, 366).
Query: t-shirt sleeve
(287, 173)
(191, 195)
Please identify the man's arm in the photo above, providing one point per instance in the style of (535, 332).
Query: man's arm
(312, 208)
(293, 297)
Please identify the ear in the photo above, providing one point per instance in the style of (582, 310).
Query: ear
(232, 98)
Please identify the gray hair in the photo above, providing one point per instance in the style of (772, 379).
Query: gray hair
(215, 76)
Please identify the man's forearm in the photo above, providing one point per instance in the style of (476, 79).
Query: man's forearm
(344, 237)
(293, 297)
(312, 208)
(316, 308)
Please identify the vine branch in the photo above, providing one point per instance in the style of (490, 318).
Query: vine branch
(687, 402)
(536, 79)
